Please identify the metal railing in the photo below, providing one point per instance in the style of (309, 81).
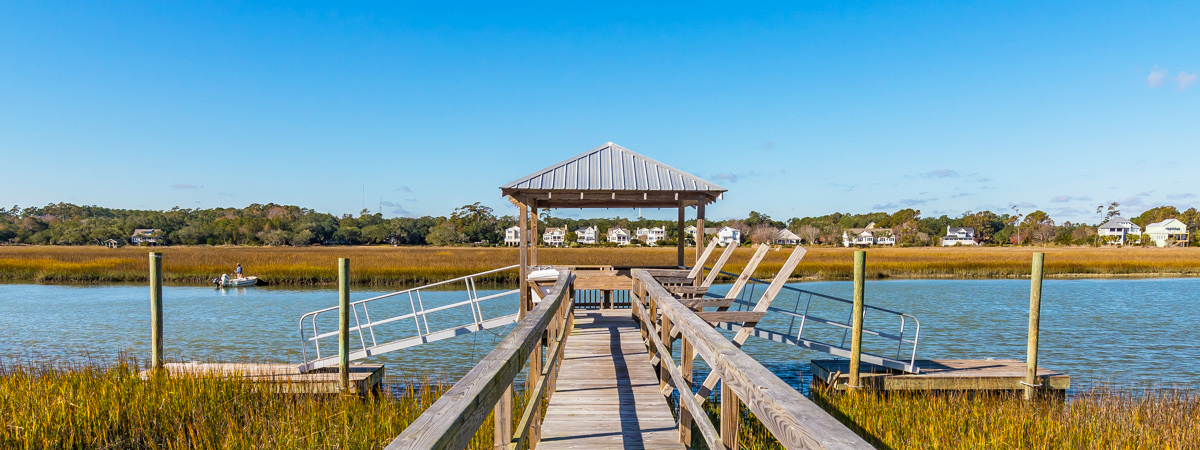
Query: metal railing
(366, 328)
(806, 318)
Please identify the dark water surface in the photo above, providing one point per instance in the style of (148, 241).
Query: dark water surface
(1119, 332)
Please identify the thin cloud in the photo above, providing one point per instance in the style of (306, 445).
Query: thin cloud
(1156, 77)
(963, 194)
(397, 209)
(1026, 205)
(1185, 79)
(1068, 198)
(1181, 196)
(940, 173)
(726, 176)
(404, 189)
(904, 202)
(185, 186)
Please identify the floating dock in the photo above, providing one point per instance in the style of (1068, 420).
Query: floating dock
(286, 378)
(940, 375)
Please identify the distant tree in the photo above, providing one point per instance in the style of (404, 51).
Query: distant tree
(445, 233)
(1158, 214)
(808, 233)
(1113, 211)
(763, 234)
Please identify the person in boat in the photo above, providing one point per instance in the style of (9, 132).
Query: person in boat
(238, 270)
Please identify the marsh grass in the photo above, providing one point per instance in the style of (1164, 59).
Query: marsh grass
(110, 406)
(414, 265)
(1097, 419)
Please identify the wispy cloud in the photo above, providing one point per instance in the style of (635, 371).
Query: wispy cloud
(1068, 198)
(726, 176)
(404, 189)
(1181, 196)
(1156, 77)
(1025, 205)
(185, 186)
(961, 194)
(397, 209)
(1185, 79)
(940, 173)
(903, 203)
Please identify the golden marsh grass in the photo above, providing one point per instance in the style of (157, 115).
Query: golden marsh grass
(410, 265)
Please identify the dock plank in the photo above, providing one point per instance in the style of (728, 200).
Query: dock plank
(945, 374)
(607, 395)
(284, 378)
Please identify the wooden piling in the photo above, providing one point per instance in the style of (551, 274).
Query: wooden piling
(344, 324)
(731, 416)
(860, 265)
(1035, 318)
(156, 310)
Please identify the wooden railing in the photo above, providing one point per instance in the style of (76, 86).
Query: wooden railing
(453, 420)
(794, 420)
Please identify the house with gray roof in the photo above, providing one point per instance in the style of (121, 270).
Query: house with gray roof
(1120, 231)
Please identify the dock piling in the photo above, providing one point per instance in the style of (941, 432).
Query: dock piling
(860, 269)
(156, 310)
(344, 324)
(1035, 317)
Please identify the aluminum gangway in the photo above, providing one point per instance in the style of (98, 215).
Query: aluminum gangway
(407, 323)
(823, 331)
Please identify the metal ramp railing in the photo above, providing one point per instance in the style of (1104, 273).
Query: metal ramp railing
(396, 332)
(828, 329)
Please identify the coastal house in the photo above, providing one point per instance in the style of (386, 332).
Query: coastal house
(512, 236)
(618, 236)
(587, 235)
(147, 236)
(555, 237)
(651, 236)
(726, 235)
(786, 237)
(959, 236)
(868, 236)
(1168, 233)
(1121, 231)
(111, 243)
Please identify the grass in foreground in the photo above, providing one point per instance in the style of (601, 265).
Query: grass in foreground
(412, 265)
(1095, 420)
(111, 407)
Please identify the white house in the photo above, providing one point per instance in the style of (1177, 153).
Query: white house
(728, 235)
(868, 236)
(145, 236)
(786, 237)
(512, 236)
(651, 236)
(1168, 232)
(959, 236)
(587, 235)
(618, 236)
(1122, 229)
(555, 237)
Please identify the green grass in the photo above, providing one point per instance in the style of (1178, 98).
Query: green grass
(111, 407)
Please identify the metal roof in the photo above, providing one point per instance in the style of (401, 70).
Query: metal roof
(611, 167)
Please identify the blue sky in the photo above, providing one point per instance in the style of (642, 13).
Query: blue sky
(797, 108)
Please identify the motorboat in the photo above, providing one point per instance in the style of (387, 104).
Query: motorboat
(225, 281)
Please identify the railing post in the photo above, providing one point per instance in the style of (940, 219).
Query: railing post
(664, 374)
(1035, 317)
(860, 264)
(685, 417)
(502, 420)
(156, 311)
(344, 324)
(731, 416)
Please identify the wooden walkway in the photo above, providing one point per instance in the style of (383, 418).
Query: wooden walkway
(607, 394)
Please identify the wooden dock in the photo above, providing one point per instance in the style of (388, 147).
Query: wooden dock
(608, 393)
(285, 378)
(941, 374)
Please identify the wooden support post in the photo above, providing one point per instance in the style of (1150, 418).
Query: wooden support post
(731, 417)
(1035, 318)
(533, 234)
(699, 240)
(344, 324)
(664, 374)
(860, 269)
(607, 303)
(156, 310)
(685, 417)
(523, 256)
(531, 380)
(682, 237)
(502, 423)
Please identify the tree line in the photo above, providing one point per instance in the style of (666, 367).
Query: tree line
(475, 224)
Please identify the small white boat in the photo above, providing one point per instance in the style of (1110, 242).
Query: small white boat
(225, 281)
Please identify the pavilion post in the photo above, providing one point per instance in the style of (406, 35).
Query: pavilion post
(699, 239)
(682, 237)
(533, 233)
(523, 257)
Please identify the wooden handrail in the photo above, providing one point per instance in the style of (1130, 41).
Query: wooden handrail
(456, 416)
(791, 417)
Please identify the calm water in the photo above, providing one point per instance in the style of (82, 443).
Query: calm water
(1112, 331)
